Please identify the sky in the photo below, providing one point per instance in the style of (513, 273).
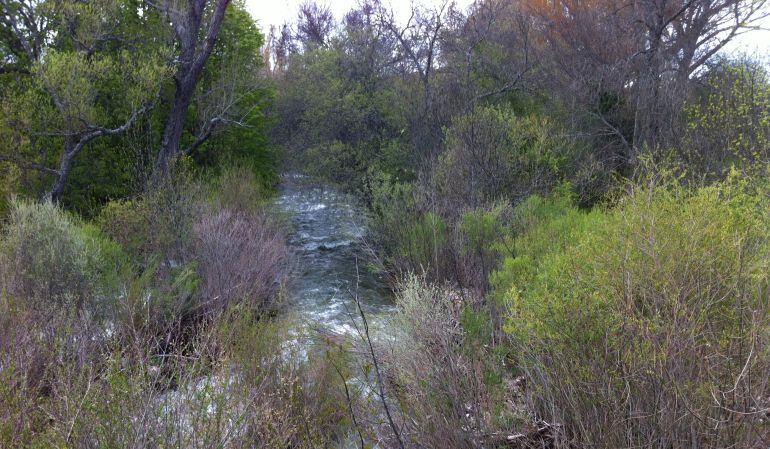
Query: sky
(277, 12)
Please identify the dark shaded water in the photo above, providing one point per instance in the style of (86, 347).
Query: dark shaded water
(327, 237)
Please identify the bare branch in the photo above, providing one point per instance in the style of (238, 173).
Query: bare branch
(29, 165)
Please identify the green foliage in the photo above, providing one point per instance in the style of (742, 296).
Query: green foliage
(338, 126)
(653, 292)
(441, 365)
(96, 88)
(237, 187)
(125, 221)
(659, 238)
(484, 231)
(481, 241)
(729, 121)
(335, 161)
(233, 77)
(106, 60)
(494, 154)
(90, 79)
(424, 244)
(540, 227)
(50, 257)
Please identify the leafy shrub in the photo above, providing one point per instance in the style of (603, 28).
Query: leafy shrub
(480, 243)
(646, 325)
(240, 386)
(128, 223)
(493, 154)
(440, 377)
(201, 248)
(463, 247)
(424, 245)
(158, 225)
(729, 120)
(60, 281)
(156, 354)
(451, 224)
(238, 188)
(337, 162)
(394, 205)
(49, 258)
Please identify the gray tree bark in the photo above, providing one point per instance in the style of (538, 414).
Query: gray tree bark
(192, 58)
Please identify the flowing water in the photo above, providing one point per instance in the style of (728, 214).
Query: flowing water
(327, 236)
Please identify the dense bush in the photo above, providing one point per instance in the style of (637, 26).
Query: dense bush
(729, 120)
(450, 224)
(49, 257)
(60, 281)
(203, 247)
(127, 222)
(241, 258)
(646, 325)
(493, 154)
(238, 188)
(443, 374)
(337, 117)
(100, 349)
(481, 241)
(412, 236)
(538, 304)
(241, 386)
(158, 225)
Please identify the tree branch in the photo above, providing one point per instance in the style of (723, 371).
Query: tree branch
(29, 165)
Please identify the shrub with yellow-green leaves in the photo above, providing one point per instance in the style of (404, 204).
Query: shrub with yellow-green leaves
(647, 325)
(729, 120)
(49, 257)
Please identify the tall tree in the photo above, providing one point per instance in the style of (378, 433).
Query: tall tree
(88, 70)
(628, 64)
(314, 24)
(196, 25)
(487, 52)
(227, 114)
(418, 51)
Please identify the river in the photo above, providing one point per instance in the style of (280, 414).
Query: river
(328, 228)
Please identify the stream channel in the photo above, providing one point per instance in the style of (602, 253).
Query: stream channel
(327, 237)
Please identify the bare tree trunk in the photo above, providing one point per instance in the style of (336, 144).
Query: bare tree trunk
(65, 167)
(172, 134)
(193, 56)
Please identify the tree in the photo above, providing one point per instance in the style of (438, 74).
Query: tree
(628, 64)
(196, 25)
(681, 37)
(728, 118)
(418, 54)
(314, 24)
(83, 73)
(487, 53)
(227, 116)
(493, 154)
(338, 105)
